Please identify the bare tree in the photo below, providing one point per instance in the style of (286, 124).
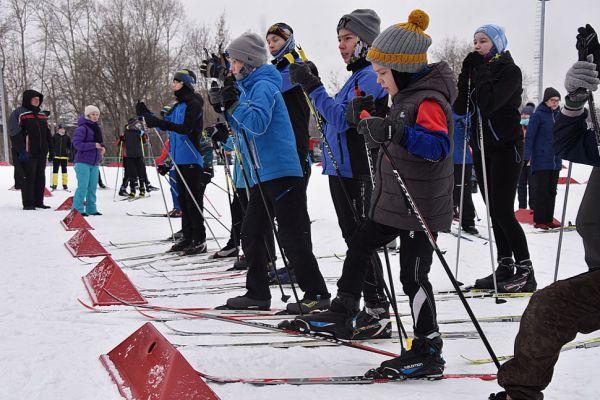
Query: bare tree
(20, 16)
(452, 51)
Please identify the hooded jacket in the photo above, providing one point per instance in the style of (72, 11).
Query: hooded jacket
(347, 146)
(85, 138)
(61, 146)
(423, 158)
(496, 95)
(28, 127)
(538, 141)
(263, 117)
(133, 141)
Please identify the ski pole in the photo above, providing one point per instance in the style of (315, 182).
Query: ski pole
(218, 187)
(438, 251)
(583, 53)
(212, 205)
(228, 182)
(162, 192)
(487, 204)
(118, 166)
(562, 221)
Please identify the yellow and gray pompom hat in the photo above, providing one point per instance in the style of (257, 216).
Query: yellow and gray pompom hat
(403, 47)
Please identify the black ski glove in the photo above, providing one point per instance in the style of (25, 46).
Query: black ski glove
(587, 44)
(163, 169)
(218, 133)
(301, 74)
(230, 95)
(472, 61)
(381, 130)
(356, 106)
(207, 175)
(213, 68)
(141, 109)
(152, 121)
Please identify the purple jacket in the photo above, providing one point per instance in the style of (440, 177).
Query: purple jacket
(83, 142)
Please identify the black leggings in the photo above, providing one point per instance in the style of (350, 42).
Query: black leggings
(503, 169)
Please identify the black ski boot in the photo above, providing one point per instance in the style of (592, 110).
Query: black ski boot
(142, 192)
(522, 281)
(180, 246)
(373, 322)
(230, 250)
(423, 360)
(239, 265)
(308, 305)
(123, 191)
(65, 187)
(284, 277)
(150, 188)
(504, 272)
(246, 303)
(336, 321)
(195, 248)
(53, 187)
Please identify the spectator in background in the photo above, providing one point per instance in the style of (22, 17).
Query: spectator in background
(468, 212)
(526, 184)
(59, 157)
(545, 165)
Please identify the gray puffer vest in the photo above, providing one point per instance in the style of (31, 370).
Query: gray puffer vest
(429, 183)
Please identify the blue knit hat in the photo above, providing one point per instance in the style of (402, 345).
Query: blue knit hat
(496, 35)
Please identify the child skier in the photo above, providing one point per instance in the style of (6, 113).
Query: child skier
(418, 134)
(61, 152)
(133, 139)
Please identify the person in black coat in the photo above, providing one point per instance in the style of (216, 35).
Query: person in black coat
(493, 83)
(31, 140)
(132, 139)
(61, 144)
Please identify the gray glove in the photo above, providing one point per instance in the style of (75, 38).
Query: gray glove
(581, 77)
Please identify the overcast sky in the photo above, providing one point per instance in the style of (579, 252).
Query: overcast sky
(314, 23)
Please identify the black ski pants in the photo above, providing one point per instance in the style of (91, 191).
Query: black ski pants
(526, 186)
(416, 257)
(546, 182)
(468, 212)
(503, 168)
(34, 182)
(285, 201)
(553, 318)
(192, 220)
(18, 171)
(359, 191)
(59, 163)
(135, 171)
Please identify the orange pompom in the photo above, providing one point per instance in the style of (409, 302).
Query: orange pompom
(419, 18)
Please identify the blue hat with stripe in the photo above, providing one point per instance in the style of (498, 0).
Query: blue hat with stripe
(496, 35)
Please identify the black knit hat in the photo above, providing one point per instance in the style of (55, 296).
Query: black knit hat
(549, 93)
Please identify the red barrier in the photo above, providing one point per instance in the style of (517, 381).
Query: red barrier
(47, 193)
(147, 366)
(84, 244)
(66, 205)
(525, 216)
(562, 180)
(107, 275)
(74, 221)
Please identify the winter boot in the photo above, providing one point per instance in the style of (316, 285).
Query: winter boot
(373, 322)
(150, 188)
(181, 245)
(229, 250)
(522, 281)
(336, 321)
(65, 187)
(424, 359)
(239, 265)
(142, 192)
(470, 229)
(53, 187)
(503, 273)
(308, 305)
(246, 303)
(284, 277)
(195, 248)
(123, 191)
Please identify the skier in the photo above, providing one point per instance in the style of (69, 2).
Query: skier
(183, 122)
(418, 134)
(133, 139)
(545, 165)
(88, 141)
(255, 110)
(496, 86)
(468, 212)
(558, 312)
(31, 140)
(356, 32)
(59, 157)
(165, 168)
(526, 184)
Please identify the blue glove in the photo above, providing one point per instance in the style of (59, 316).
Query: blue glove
(23, 156)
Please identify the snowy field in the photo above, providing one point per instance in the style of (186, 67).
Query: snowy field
(50, 344)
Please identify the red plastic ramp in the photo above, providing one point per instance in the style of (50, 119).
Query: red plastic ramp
(66, 205)
(525, 216)
(147, 366)
(108, 275)
(47, 193)
(562, 180)
(84, 244)
(74, 221)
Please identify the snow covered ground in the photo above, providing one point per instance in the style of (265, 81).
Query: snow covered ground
(50, 344)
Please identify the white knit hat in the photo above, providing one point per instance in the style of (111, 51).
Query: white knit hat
(91, 109)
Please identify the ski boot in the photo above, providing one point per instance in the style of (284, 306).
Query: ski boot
(53, 187)
(522, 281)
(65, 187)
(309, 305)
(181, 245)
(123, 191)
(175, 213)
(150, 188)
(504, 272)
(284, 278)
(423, 360)
(142, 192)
(337, 321)
(228, 251)
(373, 322)
(239, 265)
(470, 229)
(195, 248)
(246, 303)
(132, 194)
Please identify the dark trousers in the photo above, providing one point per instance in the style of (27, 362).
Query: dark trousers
(416, 256)
(34, 182)
(19, 174)
(468, 212)
(286, 203)
(503, 170)
(59, 163)
(545, 195)
(360, 191)
(135, 171)
(588, 220)
(192, 221)
(553, 318)
(526, 186)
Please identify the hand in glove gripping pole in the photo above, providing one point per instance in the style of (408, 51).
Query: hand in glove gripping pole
(302, 74)
(582, 77)
(219, 133)
(381, 130)
(356, 106)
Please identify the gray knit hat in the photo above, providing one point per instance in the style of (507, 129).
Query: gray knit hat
(364, 23)
(249, 48)
(403, 47)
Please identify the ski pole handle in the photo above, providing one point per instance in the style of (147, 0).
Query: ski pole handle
(364, 114)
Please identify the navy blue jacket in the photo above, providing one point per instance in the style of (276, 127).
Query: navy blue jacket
(573, 140)
(538, 141)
